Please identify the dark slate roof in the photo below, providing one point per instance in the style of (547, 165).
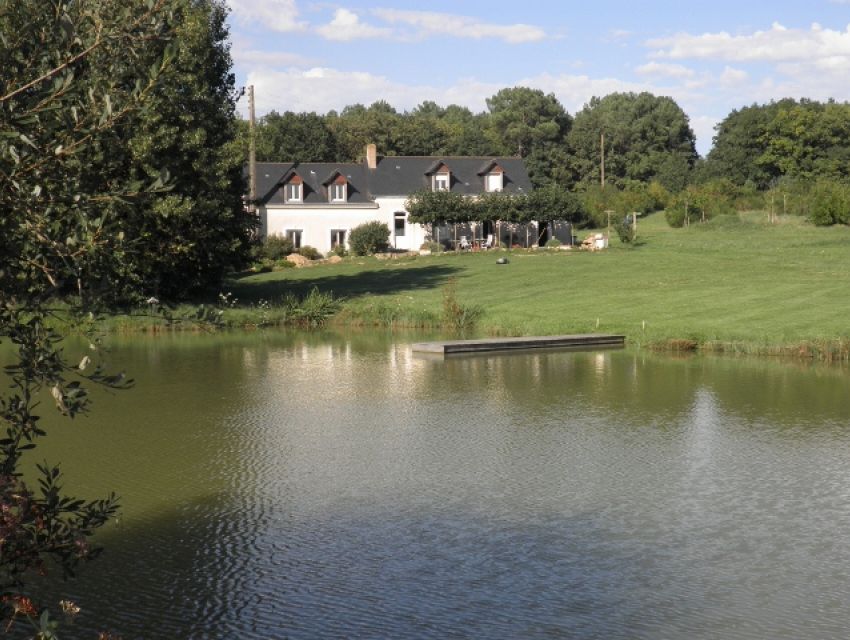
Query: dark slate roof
(271, 176)
(394, 176)
(402, 175)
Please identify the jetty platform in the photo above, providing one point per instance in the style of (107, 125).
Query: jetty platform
(579, 341)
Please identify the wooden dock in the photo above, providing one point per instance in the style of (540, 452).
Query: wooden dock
(581, 341)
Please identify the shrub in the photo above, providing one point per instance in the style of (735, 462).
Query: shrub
(276, 247)
(369, 237)
(311, 253)
(433, 247)
(553, 243)
(658, 196)
(625, 229)
(339, 250)
(830, 204)
(675, 214)
(596, 201)
(263, 266)
(700, 203)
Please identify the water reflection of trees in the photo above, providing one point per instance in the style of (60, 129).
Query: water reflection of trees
(647, 386)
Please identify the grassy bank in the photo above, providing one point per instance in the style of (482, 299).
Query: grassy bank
(736, 284)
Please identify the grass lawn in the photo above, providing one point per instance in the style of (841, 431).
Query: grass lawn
(734, 280)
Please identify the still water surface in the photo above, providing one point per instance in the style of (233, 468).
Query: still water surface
(288, 486)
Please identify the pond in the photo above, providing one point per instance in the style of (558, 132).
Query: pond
(335, 486)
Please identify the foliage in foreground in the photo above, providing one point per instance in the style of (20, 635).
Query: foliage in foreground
(97, 153)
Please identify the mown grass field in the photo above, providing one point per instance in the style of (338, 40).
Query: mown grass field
(737, 281)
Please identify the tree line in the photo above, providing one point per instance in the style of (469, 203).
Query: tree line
(789, 145)
(647, 137)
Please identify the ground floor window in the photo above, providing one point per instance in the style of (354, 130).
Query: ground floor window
(294, 236)
(337, 237)
(400, 224)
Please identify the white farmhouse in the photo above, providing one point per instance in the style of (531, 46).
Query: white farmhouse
(318, 203)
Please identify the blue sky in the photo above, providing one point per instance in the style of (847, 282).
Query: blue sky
(711, 57)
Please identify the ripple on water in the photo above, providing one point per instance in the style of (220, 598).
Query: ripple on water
(328, 496)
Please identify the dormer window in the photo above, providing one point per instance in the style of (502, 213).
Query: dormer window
(494, 181)
(441, 181)
(293, 191)
(493, 176)
(338, 192)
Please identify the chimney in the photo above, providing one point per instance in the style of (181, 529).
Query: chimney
(371, 156)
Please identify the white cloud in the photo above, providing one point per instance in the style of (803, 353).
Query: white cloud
(619, 34)
(732, 77)
(255, 57)
(703, 127)
(661, 69)
(774, 45)
(428, 23)
(278, 15)
(574, 91)
(346, 25)
(322, 89)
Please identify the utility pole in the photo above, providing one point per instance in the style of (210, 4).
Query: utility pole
(602, 172)
(252, 152)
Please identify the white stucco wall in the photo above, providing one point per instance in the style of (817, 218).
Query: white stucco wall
(316, 223)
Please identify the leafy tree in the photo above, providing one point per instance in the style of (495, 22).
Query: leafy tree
(541, 205)
(83, 83)
(646, 137)
(740, 141)
(466, 133)
(422, 132)
(439, 207)
(808, 140)
(188, 240)
(295, 137)
(358, 126)
(71, 85)
(532, 125)
(551, 204)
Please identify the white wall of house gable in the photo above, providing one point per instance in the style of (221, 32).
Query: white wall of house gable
(316, 223)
